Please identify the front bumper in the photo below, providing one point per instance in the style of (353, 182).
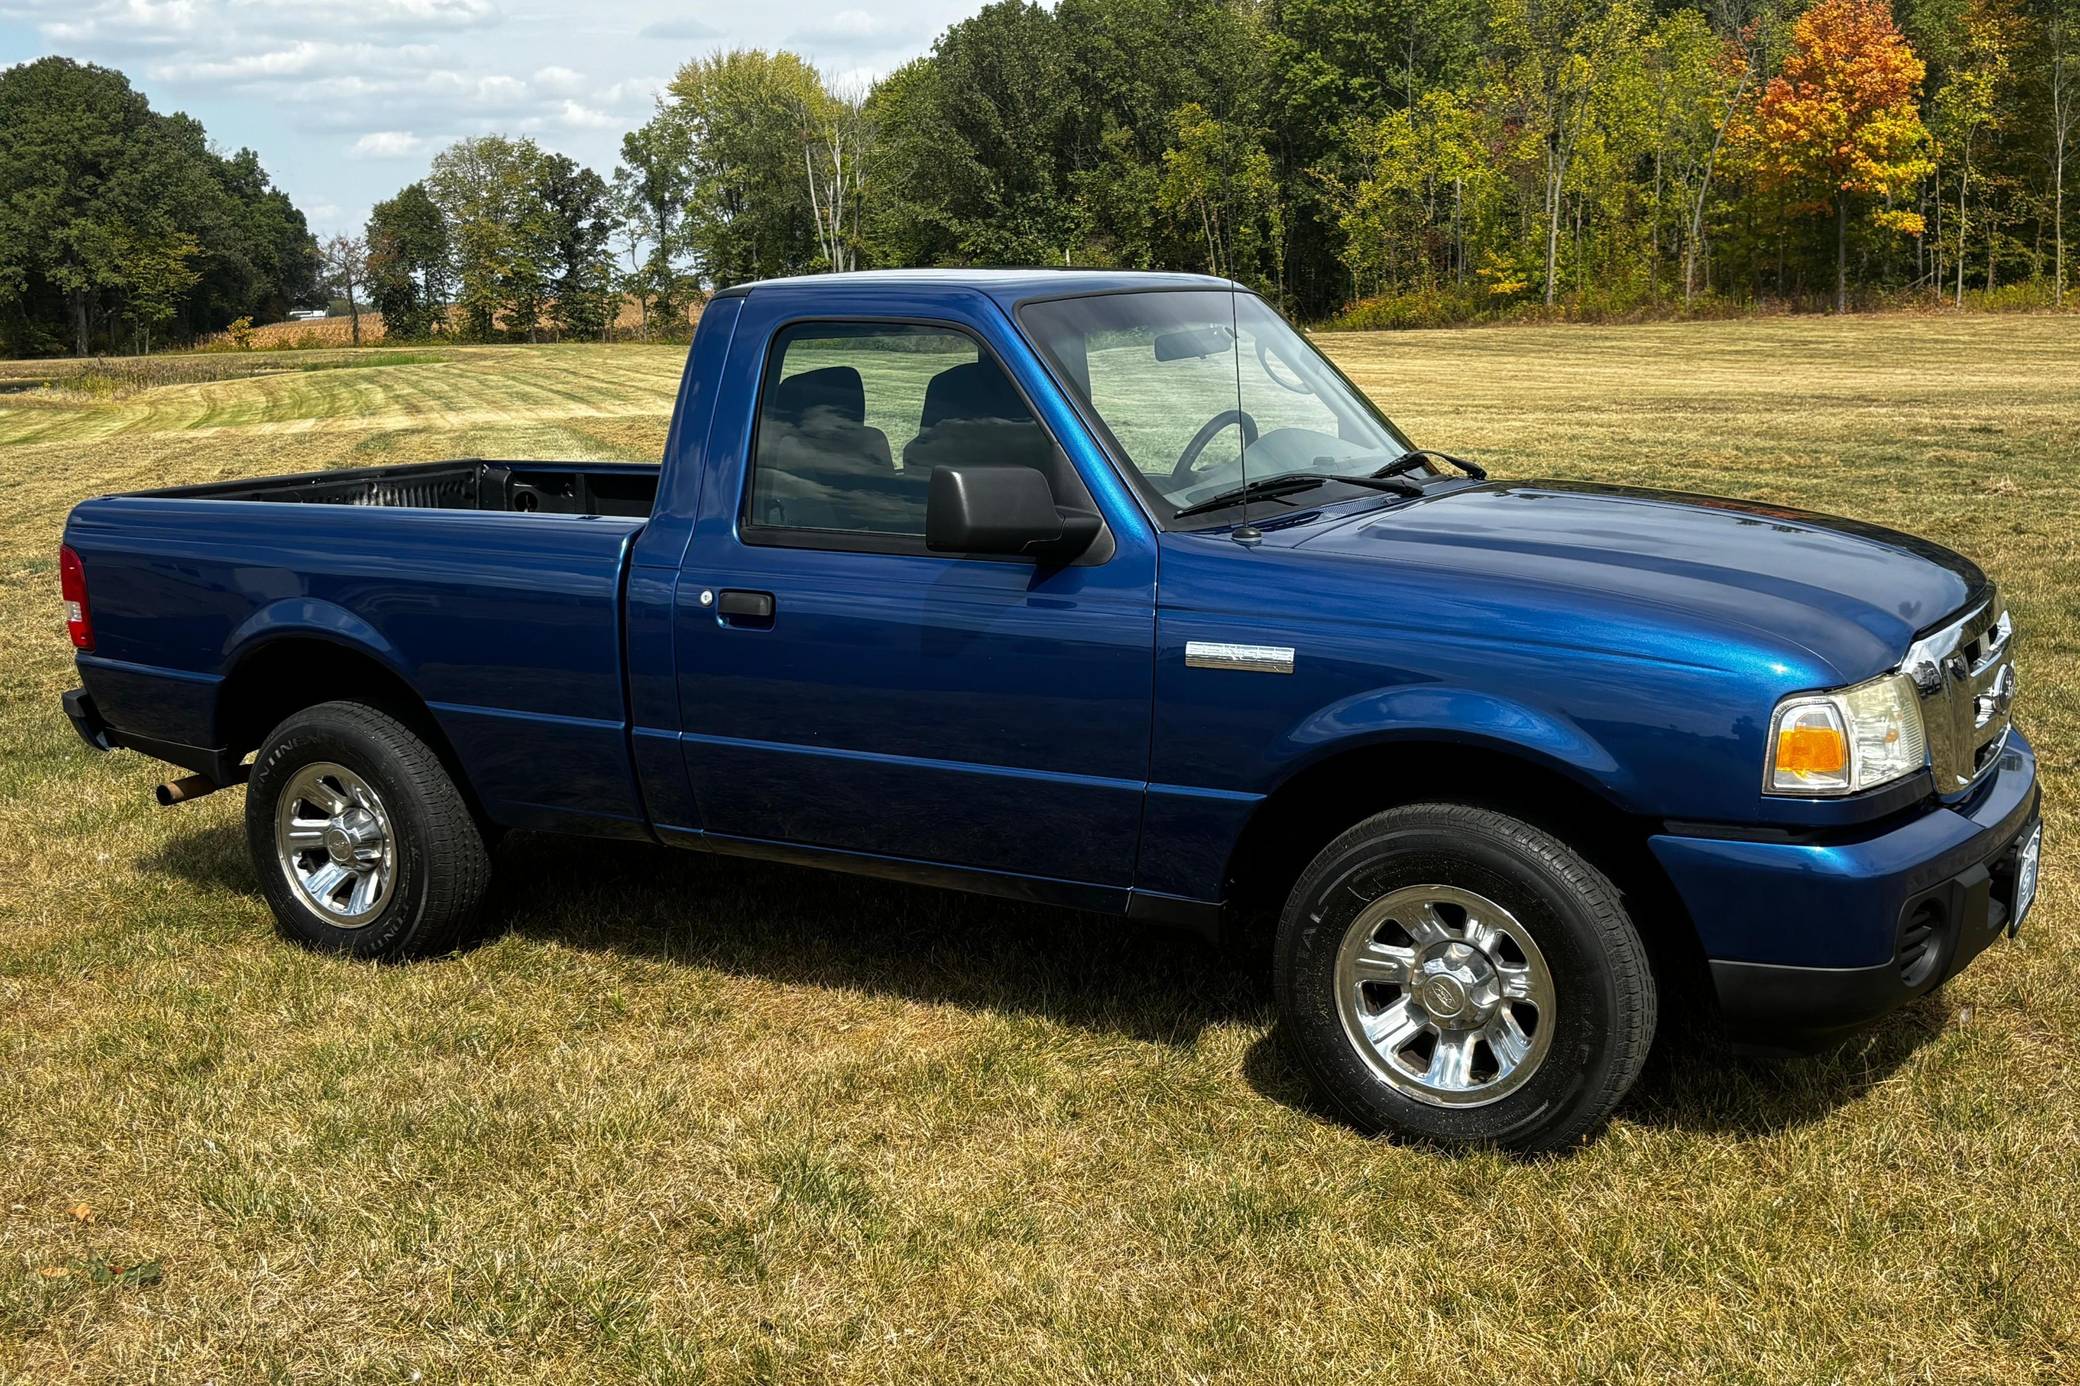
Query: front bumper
(1809, 939)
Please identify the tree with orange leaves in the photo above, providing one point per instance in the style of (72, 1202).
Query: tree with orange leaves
(1842, 119)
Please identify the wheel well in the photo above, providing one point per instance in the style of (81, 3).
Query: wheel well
(1305, 813)
(288, 675)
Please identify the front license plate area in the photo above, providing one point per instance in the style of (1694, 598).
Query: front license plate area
(2026, 863)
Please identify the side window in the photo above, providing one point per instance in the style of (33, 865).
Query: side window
(853, 417)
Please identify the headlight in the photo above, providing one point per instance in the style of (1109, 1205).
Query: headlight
(1846, 742)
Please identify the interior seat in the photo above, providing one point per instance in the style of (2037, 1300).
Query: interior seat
(974, 415)
(821, 465)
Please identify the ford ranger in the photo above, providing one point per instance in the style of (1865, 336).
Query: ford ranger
(1108, 590)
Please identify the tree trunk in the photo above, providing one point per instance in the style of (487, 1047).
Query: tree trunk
(1552, 238)
(354, 314)
(79, 322)
(2061, 128)
(1936, 240)
(1556, 175)
(1704, 184)
(1841, 250)
(1964, 178)
(2058, 222)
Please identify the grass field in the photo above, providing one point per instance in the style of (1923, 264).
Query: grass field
(697, 1119)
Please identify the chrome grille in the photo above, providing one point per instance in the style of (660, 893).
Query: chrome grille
(1966, 675)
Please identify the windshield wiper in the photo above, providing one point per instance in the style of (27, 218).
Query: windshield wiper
(1286, 483)
(1416, 457)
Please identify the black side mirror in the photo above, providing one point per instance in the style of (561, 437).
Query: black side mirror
(1006, 510)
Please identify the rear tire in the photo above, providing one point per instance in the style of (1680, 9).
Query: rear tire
(362, 842)
(1455, 976)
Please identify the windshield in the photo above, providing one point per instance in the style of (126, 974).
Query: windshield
(1197, 385)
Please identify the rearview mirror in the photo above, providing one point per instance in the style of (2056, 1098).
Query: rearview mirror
(1189, 343)
(1003, 510)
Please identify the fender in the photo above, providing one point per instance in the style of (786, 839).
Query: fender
(1190, 834)
(301, 618)
(304, 617)
(1443, 713)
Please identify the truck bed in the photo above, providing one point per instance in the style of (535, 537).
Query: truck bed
(549, 488)
(490, 588)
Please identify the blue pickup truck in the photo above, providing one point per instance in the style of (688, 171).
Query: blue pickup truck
(1108, 590)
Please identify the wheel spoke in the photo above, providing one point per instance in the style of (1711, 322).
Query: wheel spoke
(1483, 935)
(1516, 981)
(304, 832)
(1451, 1062)
(1393, 1027)
(1508, 1040)
(1381, 962)
(325, 882)
(1426, 926)
(366, 886)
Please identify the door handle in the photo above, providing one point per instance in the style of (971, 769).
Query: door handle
(754, 609)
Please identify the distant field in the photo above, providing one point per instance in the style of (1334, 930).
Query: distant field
(703, 1119)
(320, 333)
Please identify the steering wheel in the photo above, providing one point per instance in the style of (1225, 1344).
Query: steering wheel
(1265, 358)
(1210, 430)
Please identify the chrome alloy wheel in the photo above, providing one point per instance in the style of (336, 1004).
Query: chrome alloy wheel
(1445, 995)
(334, 842)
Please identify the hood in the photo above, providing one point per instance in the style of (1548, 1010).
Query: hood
(1850, 594)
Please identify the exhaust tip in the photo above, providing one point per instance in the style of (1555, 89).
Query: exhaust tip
(181, 790)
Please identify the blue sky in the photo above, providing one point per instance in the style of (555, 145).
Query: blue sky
(345, 100)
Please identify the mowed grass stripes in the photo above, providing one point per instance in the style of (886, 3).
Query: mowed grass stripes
(695, 1119)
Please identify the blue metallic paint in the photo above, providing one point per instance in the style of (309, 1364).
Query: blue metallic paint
(507, 625)
(1036, 731)
(983, 714)
(1837, 904)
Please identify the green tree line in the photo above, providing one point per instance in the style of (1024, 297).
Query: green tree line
(120, 226)
(1434, 156)
(1397, 161)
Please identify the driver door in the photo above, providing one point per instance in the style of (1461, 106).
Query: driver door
(844, 688)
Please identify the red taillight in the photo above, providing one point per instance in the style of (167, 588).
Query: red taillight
(72, 584)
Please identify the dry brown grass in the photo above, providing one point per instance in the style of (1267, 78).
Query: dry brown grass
(318, 334)
(694, 1119)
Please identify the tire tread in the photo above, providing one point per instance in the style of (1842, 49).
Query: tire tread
(1631, 1037)
(458, 860)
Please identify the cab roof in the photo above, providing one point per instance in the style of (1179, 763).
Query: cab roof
(1007, 286)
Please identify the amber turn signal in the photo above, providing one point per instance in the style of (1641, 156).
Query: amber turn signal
(1811, 750)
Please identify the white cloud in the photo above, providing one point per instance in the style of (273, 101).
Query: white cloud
(559, 81)
(577, 117)
(220, 25)
(387, 144)
(366, 14)
(292, 61)
(630, 92)
(136, 22)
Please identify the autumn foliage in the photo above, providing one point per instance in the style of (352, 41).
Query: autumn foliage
(1842, 119)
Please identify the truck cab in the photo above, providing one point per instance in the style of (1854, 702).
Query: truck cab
(1108, 590)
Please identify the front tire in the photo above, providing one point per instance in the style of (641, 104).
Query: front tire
(362, 842)
(1456, 976)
